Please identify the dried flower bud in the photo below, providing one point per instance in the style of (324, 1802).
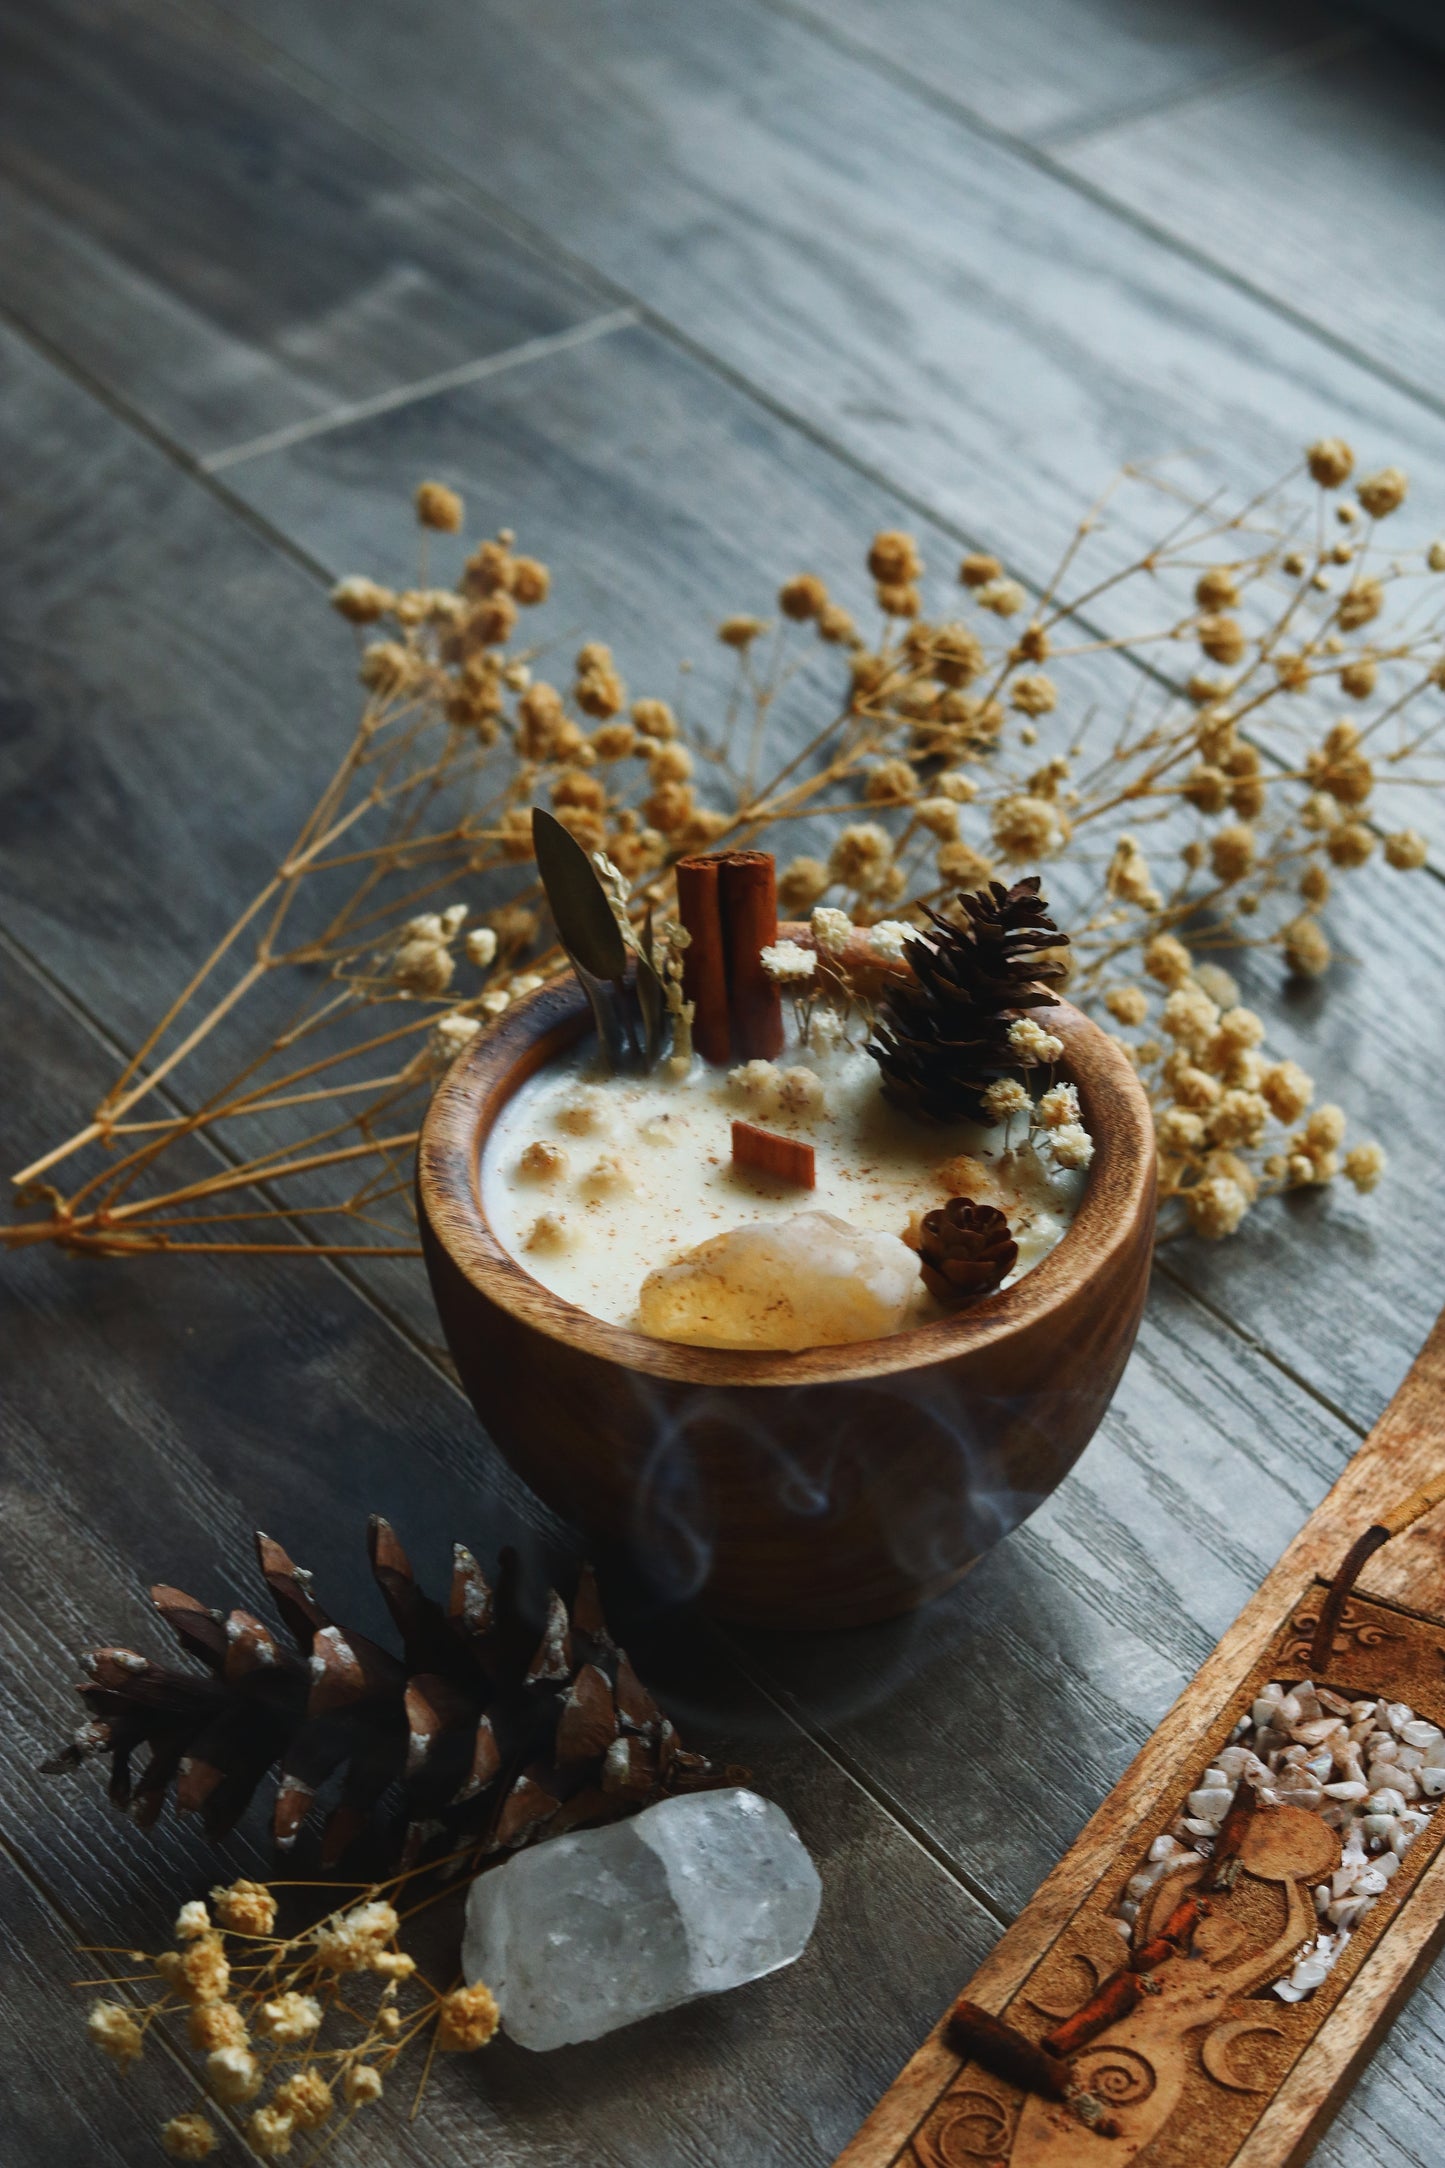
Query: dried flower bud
(1216, 589)
(1232, 851)
(233, 2074)
(1331, 462)
(1004, 597)
(1003, 1100)
(1357, 678)
(1034, 694)
(1383, 493)
(898, 601)
(1027, 827)
(890, 783)
(1361, 603)
(439, 507)
(1215, 1206)
(306, 2098)
(360, 601)
(1222, 638)
(1167, 960)
(362, 2085)
(1406, 850)
(800, 884)
(1364, 1166)
(468, 2019)
(977, 570)
(269, 2131)
(1351, 844)
(112, 2028)
(862, 858)
(189, 2137)
(741, 631)
(893, 559)
(245, 1908)
(1032, 1043)
(531, 582)
(803, 597)
(1306, 949)
(1128, 1004)
(963, 867)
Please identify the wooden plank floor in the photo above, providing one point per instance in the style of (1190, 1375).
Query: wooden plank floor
(689, 294)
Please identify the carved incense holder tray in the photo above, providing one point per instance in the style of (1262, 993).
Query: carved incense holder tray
(1084, 2040)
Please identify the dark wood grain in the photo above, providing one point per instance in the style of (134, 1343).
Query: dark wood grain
(1055, 66)
(1348, 160)
(227, 257)
(965, 323)
(149, 1420)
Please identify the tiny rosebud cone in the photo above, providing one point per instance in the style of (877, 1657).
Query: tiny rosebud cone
(966, 1250)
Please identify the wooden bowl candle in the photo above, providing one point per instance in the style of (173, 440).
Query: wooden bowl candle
(831, 1486)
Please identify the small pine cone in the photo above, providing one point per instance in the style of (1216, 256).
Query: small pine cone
(966, 1250)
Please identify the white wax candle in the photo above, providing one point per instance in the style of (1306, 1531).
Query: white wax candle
(591, 1181)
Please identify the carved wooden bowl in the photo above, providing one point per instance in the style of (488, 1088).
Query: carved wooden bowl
(828, 1488)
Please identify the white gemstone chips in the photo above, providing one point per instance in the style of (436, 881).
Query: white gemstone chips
(580, 1935)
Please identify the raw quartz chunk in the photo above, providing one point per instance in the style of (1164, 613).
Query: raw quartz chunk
(580, 1935)
(808, 1281)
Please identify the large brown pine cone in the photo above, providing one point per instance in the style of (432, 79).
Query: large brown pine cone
(477, 1731)
(966, 1250)
(942, 1035)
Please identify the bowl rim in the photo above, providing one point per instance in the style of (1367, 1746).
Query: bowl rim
(1118, 1195)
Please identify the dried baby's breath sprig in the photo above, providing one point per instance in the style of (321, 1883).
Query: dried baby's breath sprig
(1192, 740)
(291, 2034)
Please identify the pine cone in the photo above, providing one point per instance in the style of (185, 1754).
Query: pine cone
(966, 1250)
(942, 1036)
(487, 1732)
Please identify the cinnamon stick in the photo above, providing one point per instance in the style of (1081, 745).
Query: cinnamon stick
(748, 897)
(1113, 1999)
(704, 961)
(1004, 2051)
(1173, 1938)
(786, 1159)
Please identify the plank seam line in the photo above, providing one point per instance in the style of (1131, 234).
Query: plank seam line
(1038, 156)
(1258, 1347)
(1231, 83)
(794, 1713)
(426, 387)
(264, 52)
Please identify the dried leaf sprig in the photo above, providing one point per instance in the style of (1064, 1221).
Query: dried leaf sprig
(1160, 728)
(295, 2033)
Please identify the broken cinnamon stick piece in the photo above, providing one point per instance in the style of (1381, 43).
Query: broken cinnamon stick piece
(1112, 1999)
(1223, 1868)
(1173, 1938)
(785, 1159)
(704, 960)
(748, 898)
(1003, 2050)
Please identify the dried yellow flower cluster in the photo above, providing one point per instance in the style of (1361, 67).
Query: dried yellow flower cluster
(261, 2016)
(967, 741)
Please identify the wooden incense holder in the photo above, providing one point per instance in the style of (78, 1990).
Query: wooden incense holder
(1207, 2069)
(826, 1488)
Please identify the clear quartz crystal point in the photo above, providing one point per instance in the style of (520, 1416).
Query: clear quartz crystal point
(580, 1935)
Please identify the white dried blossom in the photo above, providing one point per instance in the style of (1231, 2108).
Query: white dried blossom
(481, 947)
(453, 1035)
(832, 929)
(192, 1920)
(1072, 1146)
(825, 1029)
(1032, 1043)
(1005, 1098)
(1059, 1107)
(787, 964)
(888, 937)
